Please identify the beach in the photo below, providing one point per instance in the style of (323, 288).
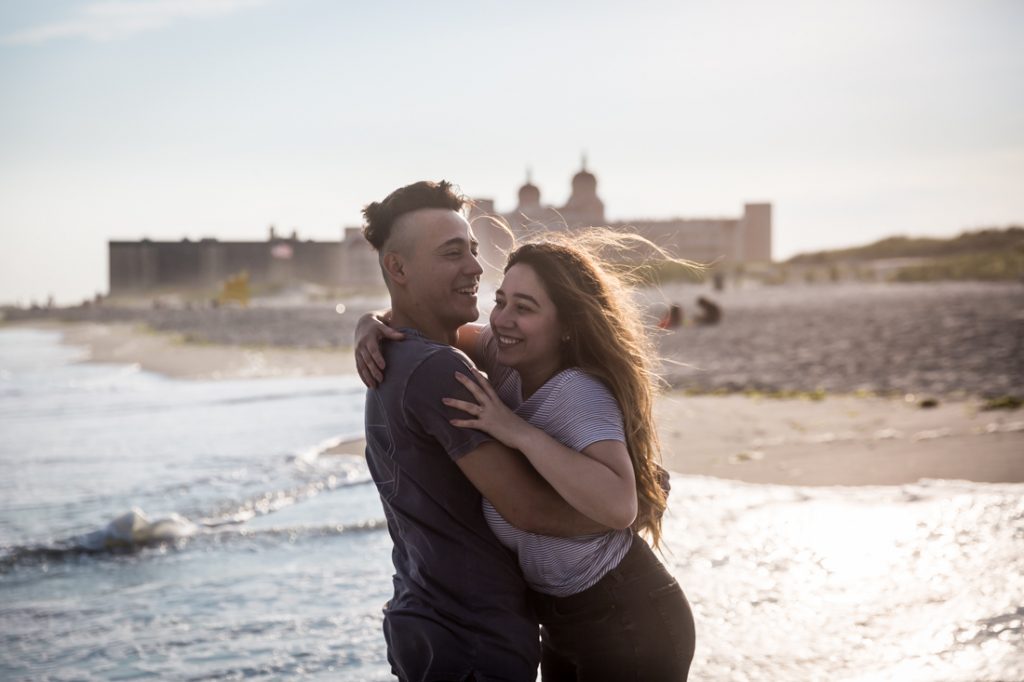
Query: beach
(186, 498)
(825, 385)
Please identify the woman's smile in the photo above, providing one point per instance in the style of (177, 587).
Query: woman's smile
(526, 326)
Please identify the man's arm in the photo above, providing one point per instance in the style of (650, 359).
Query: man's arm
(502, 475)
(373, 328)
(520, 494)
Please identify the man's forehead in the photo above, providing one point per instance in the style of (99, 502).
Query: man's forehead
(435, 226)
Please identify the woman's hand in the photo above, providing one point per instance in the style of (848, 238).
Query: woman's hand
(371, 329)
(598, 482)
(489, 414)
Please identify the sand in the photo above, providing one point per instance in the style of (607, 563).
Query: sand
(944, 338)
(171, 355)
(839, 440)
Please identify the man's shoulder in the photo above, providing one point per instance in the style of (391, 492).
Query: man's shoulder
(420, 360)
(439, 365)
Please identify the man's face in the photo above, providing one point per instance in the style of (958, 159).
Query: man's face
(443, 273)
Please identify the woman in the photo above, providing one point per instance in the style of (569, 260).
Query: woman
(570, 388)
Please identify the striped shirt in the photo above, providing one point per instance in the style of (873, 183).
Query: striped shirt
(577, 410)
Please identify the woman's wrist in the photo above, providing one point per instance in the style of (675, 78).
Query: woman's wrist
(525, 438)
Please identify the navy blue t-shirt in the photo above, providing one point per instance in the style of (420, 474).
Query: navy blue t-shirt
(459, 604)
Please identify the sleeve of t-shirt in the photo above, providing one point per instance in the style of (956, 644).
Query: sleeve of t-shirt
(583, 411)
(432, 380)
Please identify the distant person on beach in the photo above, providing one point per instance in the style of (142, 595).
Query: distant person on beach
(570, 388)
(673, 317)
(710, 312)
(460, 606)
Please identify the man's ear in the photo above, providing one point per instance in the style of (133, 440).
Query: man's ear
(394, 265)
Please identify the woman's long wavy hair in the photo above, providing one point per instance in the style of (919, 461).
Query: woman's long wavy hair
(607, 339)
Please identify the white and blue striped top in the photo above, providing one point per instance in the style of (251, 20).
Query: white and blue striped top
(577, 410)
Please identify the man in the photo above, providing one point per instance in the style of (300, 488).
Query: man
(459, 609)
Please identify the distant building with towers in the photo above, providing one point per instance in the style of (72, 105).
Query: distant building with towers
(746, 238)
(142, 267)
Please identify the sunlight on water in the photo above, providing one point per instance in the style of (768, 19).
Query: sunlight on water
(852, 583)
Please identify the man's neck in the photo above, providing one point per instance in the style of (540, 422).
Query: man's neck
(425, 325)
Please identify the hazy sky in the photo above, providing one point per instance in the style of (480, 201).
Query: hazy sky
(172, 118)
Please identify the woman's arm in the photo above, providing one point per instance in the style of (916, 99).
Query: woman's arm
(599, 482)
(373, 328)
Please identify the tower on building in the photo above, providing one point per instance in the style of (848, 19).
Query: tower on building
(529, 195)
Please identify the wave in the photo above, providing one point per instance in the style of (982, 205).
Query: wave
(134, 531)
(295, 532)
(126, 533)
(310, 455)
(233, 511)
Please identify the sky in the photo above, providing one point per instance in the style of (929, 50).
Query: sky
(857, 120)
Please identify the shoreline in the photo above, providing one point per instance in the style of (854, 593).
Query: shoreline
(835, 440)
(175, 357)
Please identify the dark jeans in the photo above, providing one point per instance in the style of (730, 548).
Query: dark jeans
(424, 649)
(634, 624)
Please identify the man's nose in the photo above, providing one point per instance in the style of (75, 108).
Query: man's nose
(473, 266)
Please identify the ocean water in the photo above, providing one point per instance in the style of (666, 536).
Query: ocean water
(153, 528)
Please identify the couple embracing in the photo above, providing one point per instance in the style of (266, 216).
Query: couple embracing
(514, 499)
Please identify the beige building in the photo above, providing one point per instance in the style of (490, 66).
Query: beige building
(746, 238)
(148, 266)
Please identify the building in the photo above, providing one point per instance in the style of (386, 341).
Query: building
(140, 267)
(746, 238)
(146, 266)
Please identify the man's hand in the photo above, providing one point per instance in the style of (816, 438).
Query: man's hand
(371, 329)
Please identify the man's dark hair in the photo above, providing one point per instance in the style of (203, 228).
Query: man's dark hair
(381, 215)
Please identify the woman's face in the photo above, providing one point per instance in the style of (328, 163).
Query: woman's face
(525, 323)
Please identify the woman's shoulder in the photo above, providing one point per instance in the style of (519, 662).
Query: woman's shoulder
(575, 382)
(580, 409)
